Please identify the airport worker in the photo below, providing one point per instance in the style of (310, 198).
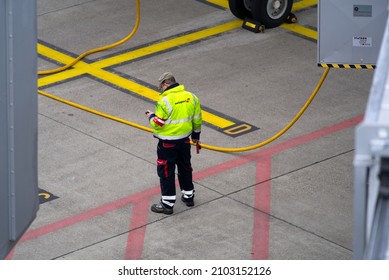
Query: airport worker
(176, 120)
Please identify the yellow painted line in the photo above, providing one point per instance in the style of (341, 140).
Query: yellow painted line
(151, 94)
(216, 120)
(221, 3)
(125, 57)
(61, 76)
(303, 4)
(54, 54)
(169, 44)
(206, 115)
(82, 67)
(60, 57)
(124, 83)
(296, 6)
(307, 32)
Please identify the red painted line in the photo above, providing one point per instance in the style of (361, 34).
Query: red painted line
(136, 235)
(220, 168)
(276, 149)
(305, 138)
(262, 197)
(260, 249)
(309, 137)
(136, 198)
(11, 254)
(35, 233)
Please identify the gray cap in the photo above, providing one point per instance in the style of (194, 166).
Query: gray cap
(165, 76)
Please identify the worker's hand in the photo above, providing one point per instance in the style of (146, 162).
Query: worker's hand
(198, 146)
(148, 113)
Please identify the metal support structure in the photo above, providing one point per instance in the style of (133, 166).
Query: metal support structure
(371, 171)
(378, 243)
(350, 32)
(18, 120)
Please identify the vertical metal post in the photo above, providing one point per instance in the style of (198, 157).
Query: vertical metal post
(10, 116)
(18, 120)
(361, 173)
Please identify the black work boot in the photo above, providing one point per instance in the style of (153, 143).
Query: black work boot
(188, 201)
(160, 208)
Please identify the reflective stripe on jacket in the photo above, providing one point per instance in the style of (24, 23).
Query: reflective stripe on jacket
(177, 114)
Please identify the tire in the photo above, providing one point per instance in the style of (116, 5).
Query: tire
(240, 8)
(271, 13)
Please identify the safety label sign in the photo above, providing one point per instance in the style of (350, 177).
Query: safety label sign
(362, 41)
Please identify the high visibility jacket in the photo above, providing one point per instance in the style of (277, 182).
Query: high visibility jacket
(177, 114)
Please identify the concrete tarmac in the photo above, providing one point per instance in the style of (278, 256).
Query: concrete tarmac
(291, 199)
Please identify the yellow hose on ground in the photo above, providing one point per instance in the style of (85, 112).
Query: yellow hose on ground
(282, 131)
(81, 56)
(209, 147)
(90, 110)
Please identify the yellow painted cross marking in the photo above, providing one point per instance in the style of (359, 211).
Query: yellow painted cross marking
(95, 69)
(128, 56)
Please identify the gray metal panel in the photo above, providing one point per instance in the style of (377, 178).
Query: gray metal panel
(25, 102)
(3, 136)
(378, 242)
(19, 133)
(350, 31)
(372, 144)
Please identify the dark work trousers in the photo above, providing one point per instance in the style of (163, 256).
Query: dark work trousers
(172, 153)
